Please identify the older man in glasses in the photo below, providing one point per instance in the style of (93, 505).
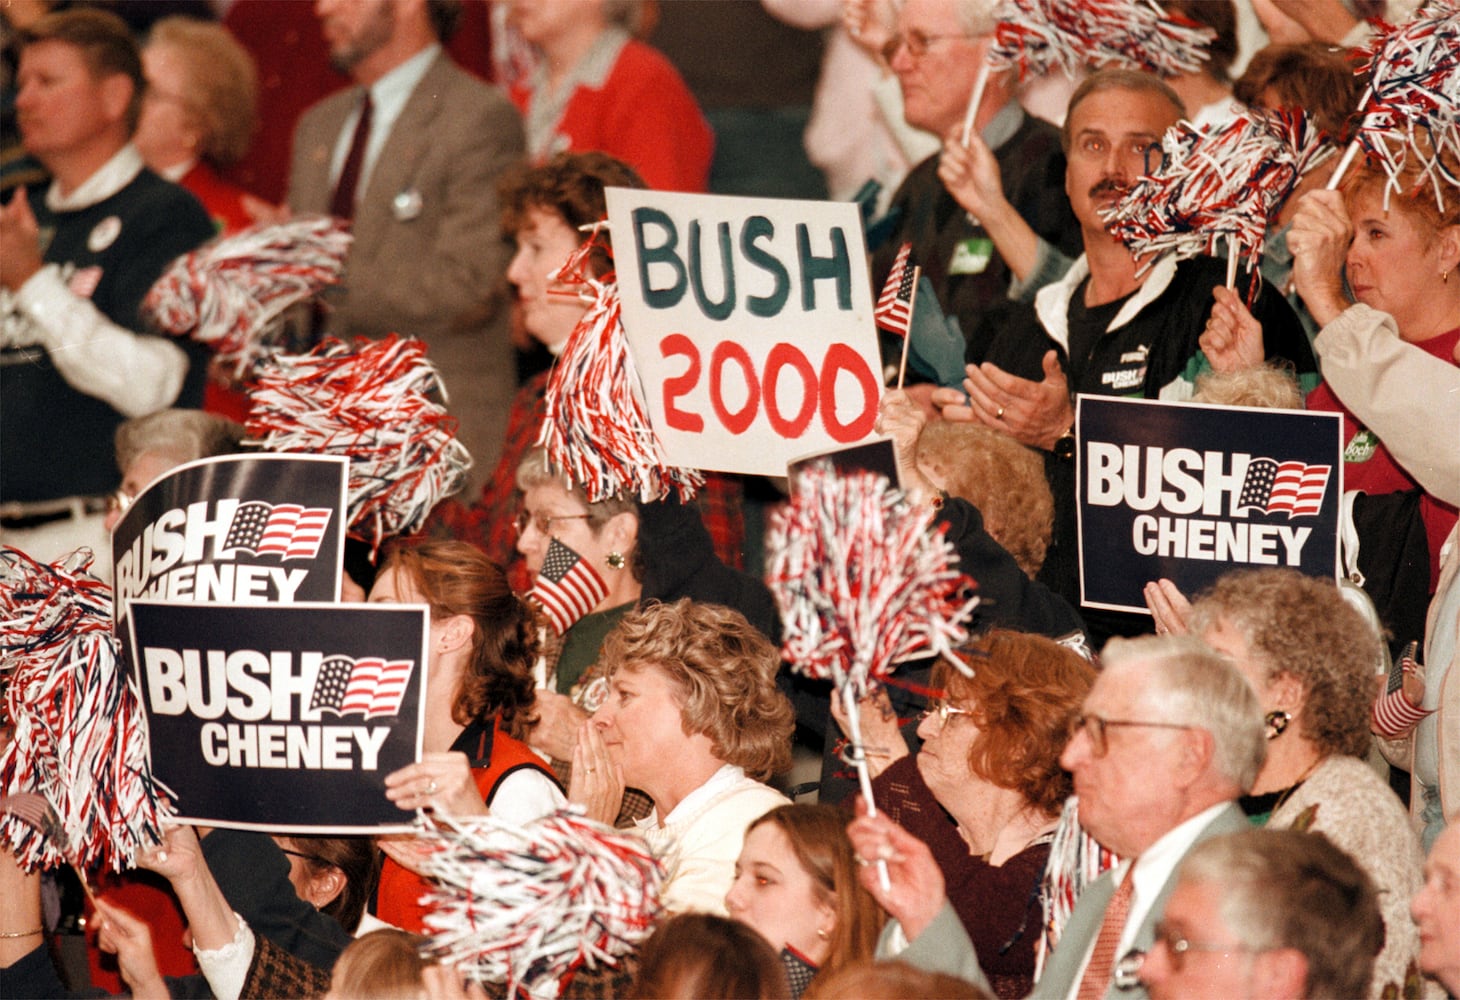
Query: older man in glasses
(1168, 738)
(1265, 913)
(938, 53)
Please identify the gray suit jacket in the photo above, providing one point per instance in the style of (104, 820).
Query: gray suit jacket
(427, 255)
(1067, 961)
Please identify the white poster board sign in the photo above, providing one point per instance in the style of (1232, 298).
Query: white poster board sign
(750, 322)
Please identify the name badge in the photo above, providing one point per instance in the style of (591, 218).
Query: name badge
(971, 256)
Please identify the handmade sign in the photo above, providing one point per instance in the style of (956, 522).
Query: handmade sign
(282, 718)
(1190, 492)
(750, 322)
(246, 529)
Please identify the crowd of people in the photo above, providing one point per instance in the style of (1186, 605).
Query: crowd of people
(1232, 795)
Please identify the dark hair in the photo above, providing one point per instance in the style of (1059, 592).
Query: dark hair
(356, 859)
(1024, 691)
(1221, 17)
(818, 837)
(570, 185)
(445, 17)
(1312, 77)
(710, 958)
(1117, 79)
(105, 43)
(455, 578)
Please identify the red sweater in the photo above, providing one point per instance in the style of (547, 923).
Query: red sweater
(644, 115)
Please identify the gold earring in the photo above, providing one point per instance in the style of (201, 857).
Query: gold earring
(615, 560)
(822, 933)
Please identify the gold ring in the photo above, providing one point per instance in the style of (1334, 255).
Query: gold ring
(1000, 414)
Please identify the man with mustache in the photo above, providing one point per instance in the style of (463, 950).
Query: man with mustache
(1106, 328)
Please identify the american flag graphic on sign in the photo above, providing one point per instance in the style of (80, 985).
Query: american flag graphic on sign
(285, 529)
(567, 588)
(894, 306)
(370, 687)
(1291, 488)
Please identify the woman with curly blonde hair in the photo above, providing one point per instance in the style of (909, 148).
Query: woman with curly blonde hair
(479, 706)
(693, 718)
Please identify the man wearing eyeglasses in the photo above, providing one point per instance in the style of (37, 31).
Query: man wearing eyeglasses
(1265, 913)
(937, 55)
(1168, 738)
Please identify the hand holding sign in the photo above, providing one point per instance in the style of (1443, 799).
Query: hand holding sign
(441, 781)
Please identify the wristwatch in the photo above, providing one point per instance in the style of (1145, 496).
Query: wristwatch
(1064, 445)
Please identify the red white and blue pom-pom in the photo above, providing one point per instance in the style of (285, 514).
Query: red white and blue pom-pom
(861, 582)
(80, 738)
(1038, 36)
(1410, 119)
(596, 425)
(370, 401)
(1222, 185)
(530, 905)
(232, 292)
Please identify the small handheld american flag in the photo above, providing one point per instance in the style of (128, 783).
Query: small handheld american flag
(567, 587)
(893, 311)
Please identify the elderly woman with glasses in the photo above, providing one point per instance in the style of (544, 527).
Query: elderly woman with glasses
(990, 760)
(640, 552)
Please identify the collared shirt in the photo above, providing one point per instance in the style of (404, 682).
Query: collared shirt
(548, 104)
(1151, 872)
(111, 177)
(388, 97)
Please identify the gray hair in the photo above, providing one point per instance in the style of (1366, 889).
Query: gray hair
(536, 470)
(1289, 889)
(1193, 685)
(976, 17)
(1271, 385)
(1302, 626)
(179, 435)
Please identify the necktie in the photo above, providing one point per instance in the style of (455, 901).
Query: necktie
(343, 202)
(1101, 966)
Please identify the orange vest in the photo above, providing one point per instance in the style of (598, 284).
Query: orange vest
(494, 755)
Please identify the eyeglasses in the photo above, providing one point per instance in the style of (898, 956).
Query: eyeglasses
(1095, 727)
(309, 857)
(543, 522)
(943, 711)
(118, 500)
(917, 44)
(1177, 945)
